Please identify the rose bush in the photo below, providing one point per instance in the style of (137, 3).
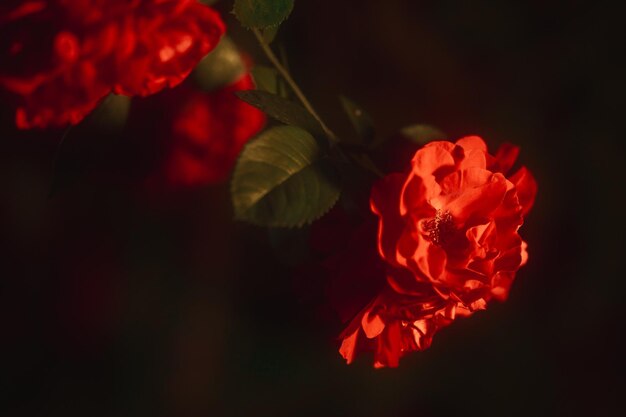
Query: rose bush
(60, 57)
(448, 235)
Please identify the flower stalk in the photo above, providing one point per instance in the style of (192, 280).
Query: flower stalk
(295, 88)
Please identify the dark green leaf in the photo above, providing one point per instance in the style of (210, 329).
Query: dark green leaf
(269, 33)
(223, 66)
(422, 134)
(282, 110)
(282, 180)
(360, 120)
(112, 114)
(262, 13)
(265, 78)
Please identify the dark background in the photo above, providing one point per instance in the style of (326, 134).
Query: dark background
(118, 302)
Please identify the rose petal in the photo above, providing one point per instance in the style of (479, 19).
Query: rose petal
(505, 158)
(421, 184)
(348, 346)
(389, 347)
(430, 259)
(473, 193)
(384, 203)
(372, 324)
(526, 188)
(501, 284)
(472, 142)
(430, 158)
(404, 281)
(524, 253)
(474, 158)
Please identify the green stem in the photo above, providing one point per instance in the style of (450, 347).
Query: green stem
(361, 159)
(297, 91)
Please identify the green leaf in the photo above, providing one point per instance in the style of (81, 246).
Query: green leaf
(283, 180)
(360, 120)
(269, 33)
(262, 13)
(282, 110)
(422, 133)
(221, 67)
(265, 78)
(113, 112)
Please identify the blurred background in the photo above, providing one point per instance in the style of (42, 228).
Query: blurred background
(116, 301)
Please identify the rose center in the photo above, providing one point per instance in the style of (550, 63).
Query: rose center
(440, 228)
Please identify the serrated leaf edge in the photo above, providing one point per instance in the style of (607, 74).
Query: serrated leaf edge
(285, 225)
(234, 12)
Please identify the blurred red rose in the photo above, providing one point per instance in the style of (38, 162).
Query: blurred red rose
(448, 233)
(208, 130)
(60, 57)
(194, 136)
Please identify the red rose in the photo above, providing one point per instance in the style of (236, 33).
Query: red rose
(194, 136)
(60, 57)
(448, 233)
(208, 131)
